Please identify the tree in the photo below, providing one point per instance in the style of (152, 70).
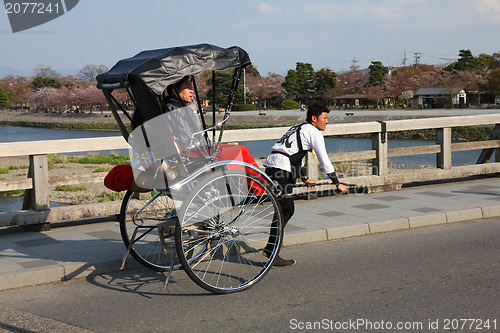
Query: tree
(495, 61)
(87, 95)
(467, 62)
(492, 84)
(45, 76)
(46, 99)
(16, 87)
(324, 79)
(4, 98)
(351, 82)
(45, 71)
(201, 81)
(298, 82)
(402, 79)
(377, 74)
(291, 83)
(89, 72)
(375, 93)
(407, 78)
(250, 69)
(266, 89)
(469, 80)
(43, 82)
(69, 81)
(223, 81)
(484, 61)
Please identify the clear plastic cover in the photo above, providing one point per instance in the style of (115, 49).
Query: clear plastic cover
(167, 148)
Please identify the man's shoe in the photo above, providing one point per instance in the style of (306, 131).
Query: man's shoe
(280, 262)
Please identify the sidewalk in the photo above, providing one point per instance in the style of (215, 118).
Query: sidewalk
(68, 252)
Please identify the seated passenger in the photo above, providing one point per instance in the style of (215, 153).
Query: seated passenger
(185, 121)
(165, 145)
(180, 94)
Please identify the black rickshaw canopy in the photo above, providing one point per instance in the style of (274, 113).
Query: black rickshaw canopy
(162, 67)
(146, 75)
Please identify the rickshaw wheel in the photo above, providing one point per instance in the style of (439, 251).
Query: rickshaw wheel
(230, 214)
(154, 242)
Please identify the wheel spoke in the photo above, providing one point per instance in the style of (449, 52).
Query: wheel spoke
(156, 216)
(234, 223)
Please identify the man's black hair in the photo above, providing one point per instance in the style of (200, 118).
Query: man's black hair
(316, 110)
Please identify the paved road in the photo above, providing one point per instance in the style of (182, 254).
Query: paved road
(418, 278)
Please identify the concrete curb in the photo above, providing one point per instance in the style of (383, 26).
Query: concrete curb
(387, 226)
(414, 222)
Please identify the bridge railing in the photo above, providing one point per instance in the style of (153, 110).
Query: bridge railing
(38, 211)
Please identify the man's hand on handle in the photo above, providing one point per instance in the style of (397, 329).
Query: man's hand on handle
(342, 188)
(310, 183)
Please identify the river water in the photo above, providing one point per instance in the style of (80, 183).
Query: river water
(339, 145)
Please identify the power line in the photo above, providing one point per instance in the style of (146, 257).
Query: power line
(439, 57)
(390, 60)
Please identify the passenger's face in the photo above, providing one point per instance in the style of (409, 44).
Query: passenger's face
(321, 121)
(186, 91)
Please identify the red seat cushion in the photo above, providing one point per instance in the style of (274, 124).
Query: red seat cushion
(120, 178)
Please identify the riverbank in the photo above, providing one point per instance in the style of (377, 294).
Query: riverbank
(82, 121)
(71, 180)
(105, 120)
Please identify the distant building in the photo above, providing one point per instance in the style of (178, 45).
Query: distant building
(21, 104)
(441, 97)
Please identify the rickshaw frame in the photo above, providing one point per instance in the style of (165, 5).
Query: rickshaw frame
(243, 203)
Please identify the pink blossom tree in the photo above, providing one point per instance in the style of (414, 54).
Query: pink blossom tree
(266, 89)
(16, 87)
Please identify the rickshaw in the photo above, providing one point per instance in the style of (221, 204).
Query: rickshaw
(196, 203)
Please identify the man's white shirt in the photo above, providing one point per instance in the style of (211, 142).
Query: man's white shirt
(311, 138)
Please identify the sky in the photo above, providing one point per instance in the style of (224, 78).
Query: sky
(276, 34)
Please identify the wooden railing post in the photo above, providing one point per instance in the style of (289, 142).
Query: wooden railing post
(379, 144)
(443, 138)
(497, 137)
(37, 198)
(312, 166)
(312, 172)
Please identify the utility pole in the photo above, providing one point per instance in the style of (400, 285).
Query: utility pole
(404, 60)
(417, 58)
(244, 86)
(353, 66)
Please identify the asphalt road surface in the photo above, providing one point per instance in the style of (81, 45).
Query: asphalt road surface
(438, 279)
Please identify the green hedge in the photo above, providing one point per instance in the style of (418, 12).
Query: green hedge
(244, 107)
(290, 104)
